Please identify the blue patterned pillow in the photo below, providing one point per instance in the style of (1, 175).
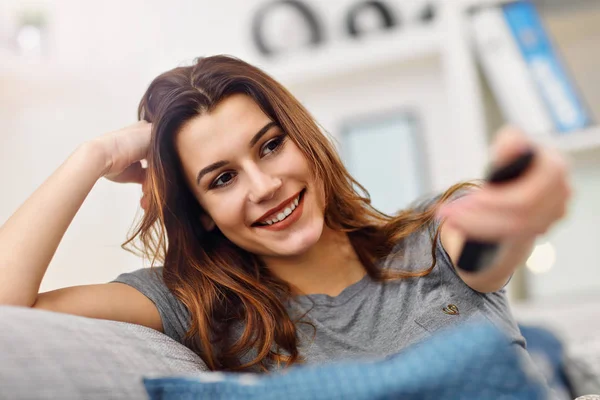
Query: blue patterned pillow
(474, 361)
(548, 353)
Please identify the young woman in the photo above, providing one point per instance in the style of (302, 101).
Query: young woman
(270, 256)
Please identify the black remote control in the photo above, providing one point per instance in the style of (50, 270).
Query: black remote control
(476, 255)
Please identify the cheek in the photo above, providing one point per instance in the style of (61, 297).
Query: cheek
(302, 167)
(227, 211)
(297, 163)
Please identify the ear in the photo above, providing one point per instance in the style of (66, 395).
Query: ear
(207, 222)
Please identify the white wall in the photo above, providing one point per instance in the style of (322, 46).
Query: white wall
(416, 87)
(576, 271)
(42, 124)
(575, 29)
(103, 55)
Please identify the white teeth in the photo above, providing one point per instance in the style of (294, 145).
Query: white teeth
(282, 215)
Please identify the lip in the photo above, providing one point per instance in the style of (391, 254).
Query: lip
(280, 207)
(289, 221)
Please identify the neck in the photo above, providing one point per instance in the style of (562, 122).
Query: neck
(330, 266)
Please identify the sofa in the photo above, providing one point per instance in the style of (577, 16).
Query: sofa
(575, 322)
(49, 355)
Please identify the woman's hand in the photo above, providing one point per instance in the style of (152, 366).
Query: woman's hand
(123, 150)
(46, 215)
(512, 214)
(523, 208)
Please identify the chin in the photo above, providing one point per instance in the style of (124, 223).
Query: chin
(299, 242)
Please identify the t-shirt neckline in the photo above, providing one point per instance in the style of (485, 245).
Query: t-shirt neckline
(345, 295)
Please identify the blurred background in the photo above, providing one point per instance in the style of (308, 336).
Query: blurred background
(412, 90)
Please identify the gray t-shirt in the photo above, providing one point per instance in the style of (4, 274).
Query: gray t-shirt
(368, 319)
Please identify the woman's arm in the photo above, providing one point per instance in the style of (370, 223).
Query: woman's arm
(511, 255)
(512, 214)
(28, 240)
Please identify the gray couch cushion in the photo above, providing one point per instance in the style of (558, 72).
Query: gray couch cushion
(49, 355)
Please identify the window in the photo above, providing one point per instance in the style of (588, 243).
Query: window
(386, 154)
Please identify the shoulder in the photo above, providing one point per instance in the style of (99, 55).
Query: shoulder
(418, 248)
(450, 241)
(149, 281)
(145, 280)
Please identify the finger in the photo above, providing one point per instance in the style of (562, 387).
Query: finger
(509, 144)
(132, 174)
(143, 124)
(546, 177)
(517, 194)
(144, 202)
(498, 220)
(481, 224)
(547, 215)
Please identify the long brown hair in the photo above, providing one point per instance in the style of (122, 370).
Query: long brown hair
(221, 284)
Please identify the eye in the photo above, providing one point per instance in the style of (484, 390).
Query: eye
(273, 145)
(222, 180)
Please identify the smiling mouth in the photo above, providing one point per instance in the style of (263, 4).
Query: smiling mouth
(283, 214)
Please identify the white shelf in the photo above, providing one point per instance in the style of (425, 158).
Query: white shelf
(482, 3)
(574, 142)
(376, 50)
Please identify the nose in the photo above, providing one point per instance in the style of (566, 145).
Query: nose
(262, 185)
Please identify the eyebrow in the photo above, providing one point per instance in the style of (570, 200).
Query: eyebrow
(219, 164)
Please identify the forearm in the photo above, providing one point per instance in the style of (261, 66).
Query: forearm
(30, 237)
(493, 277)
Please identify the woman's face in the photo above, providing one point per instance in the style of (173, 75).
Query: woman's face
(251, 179)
